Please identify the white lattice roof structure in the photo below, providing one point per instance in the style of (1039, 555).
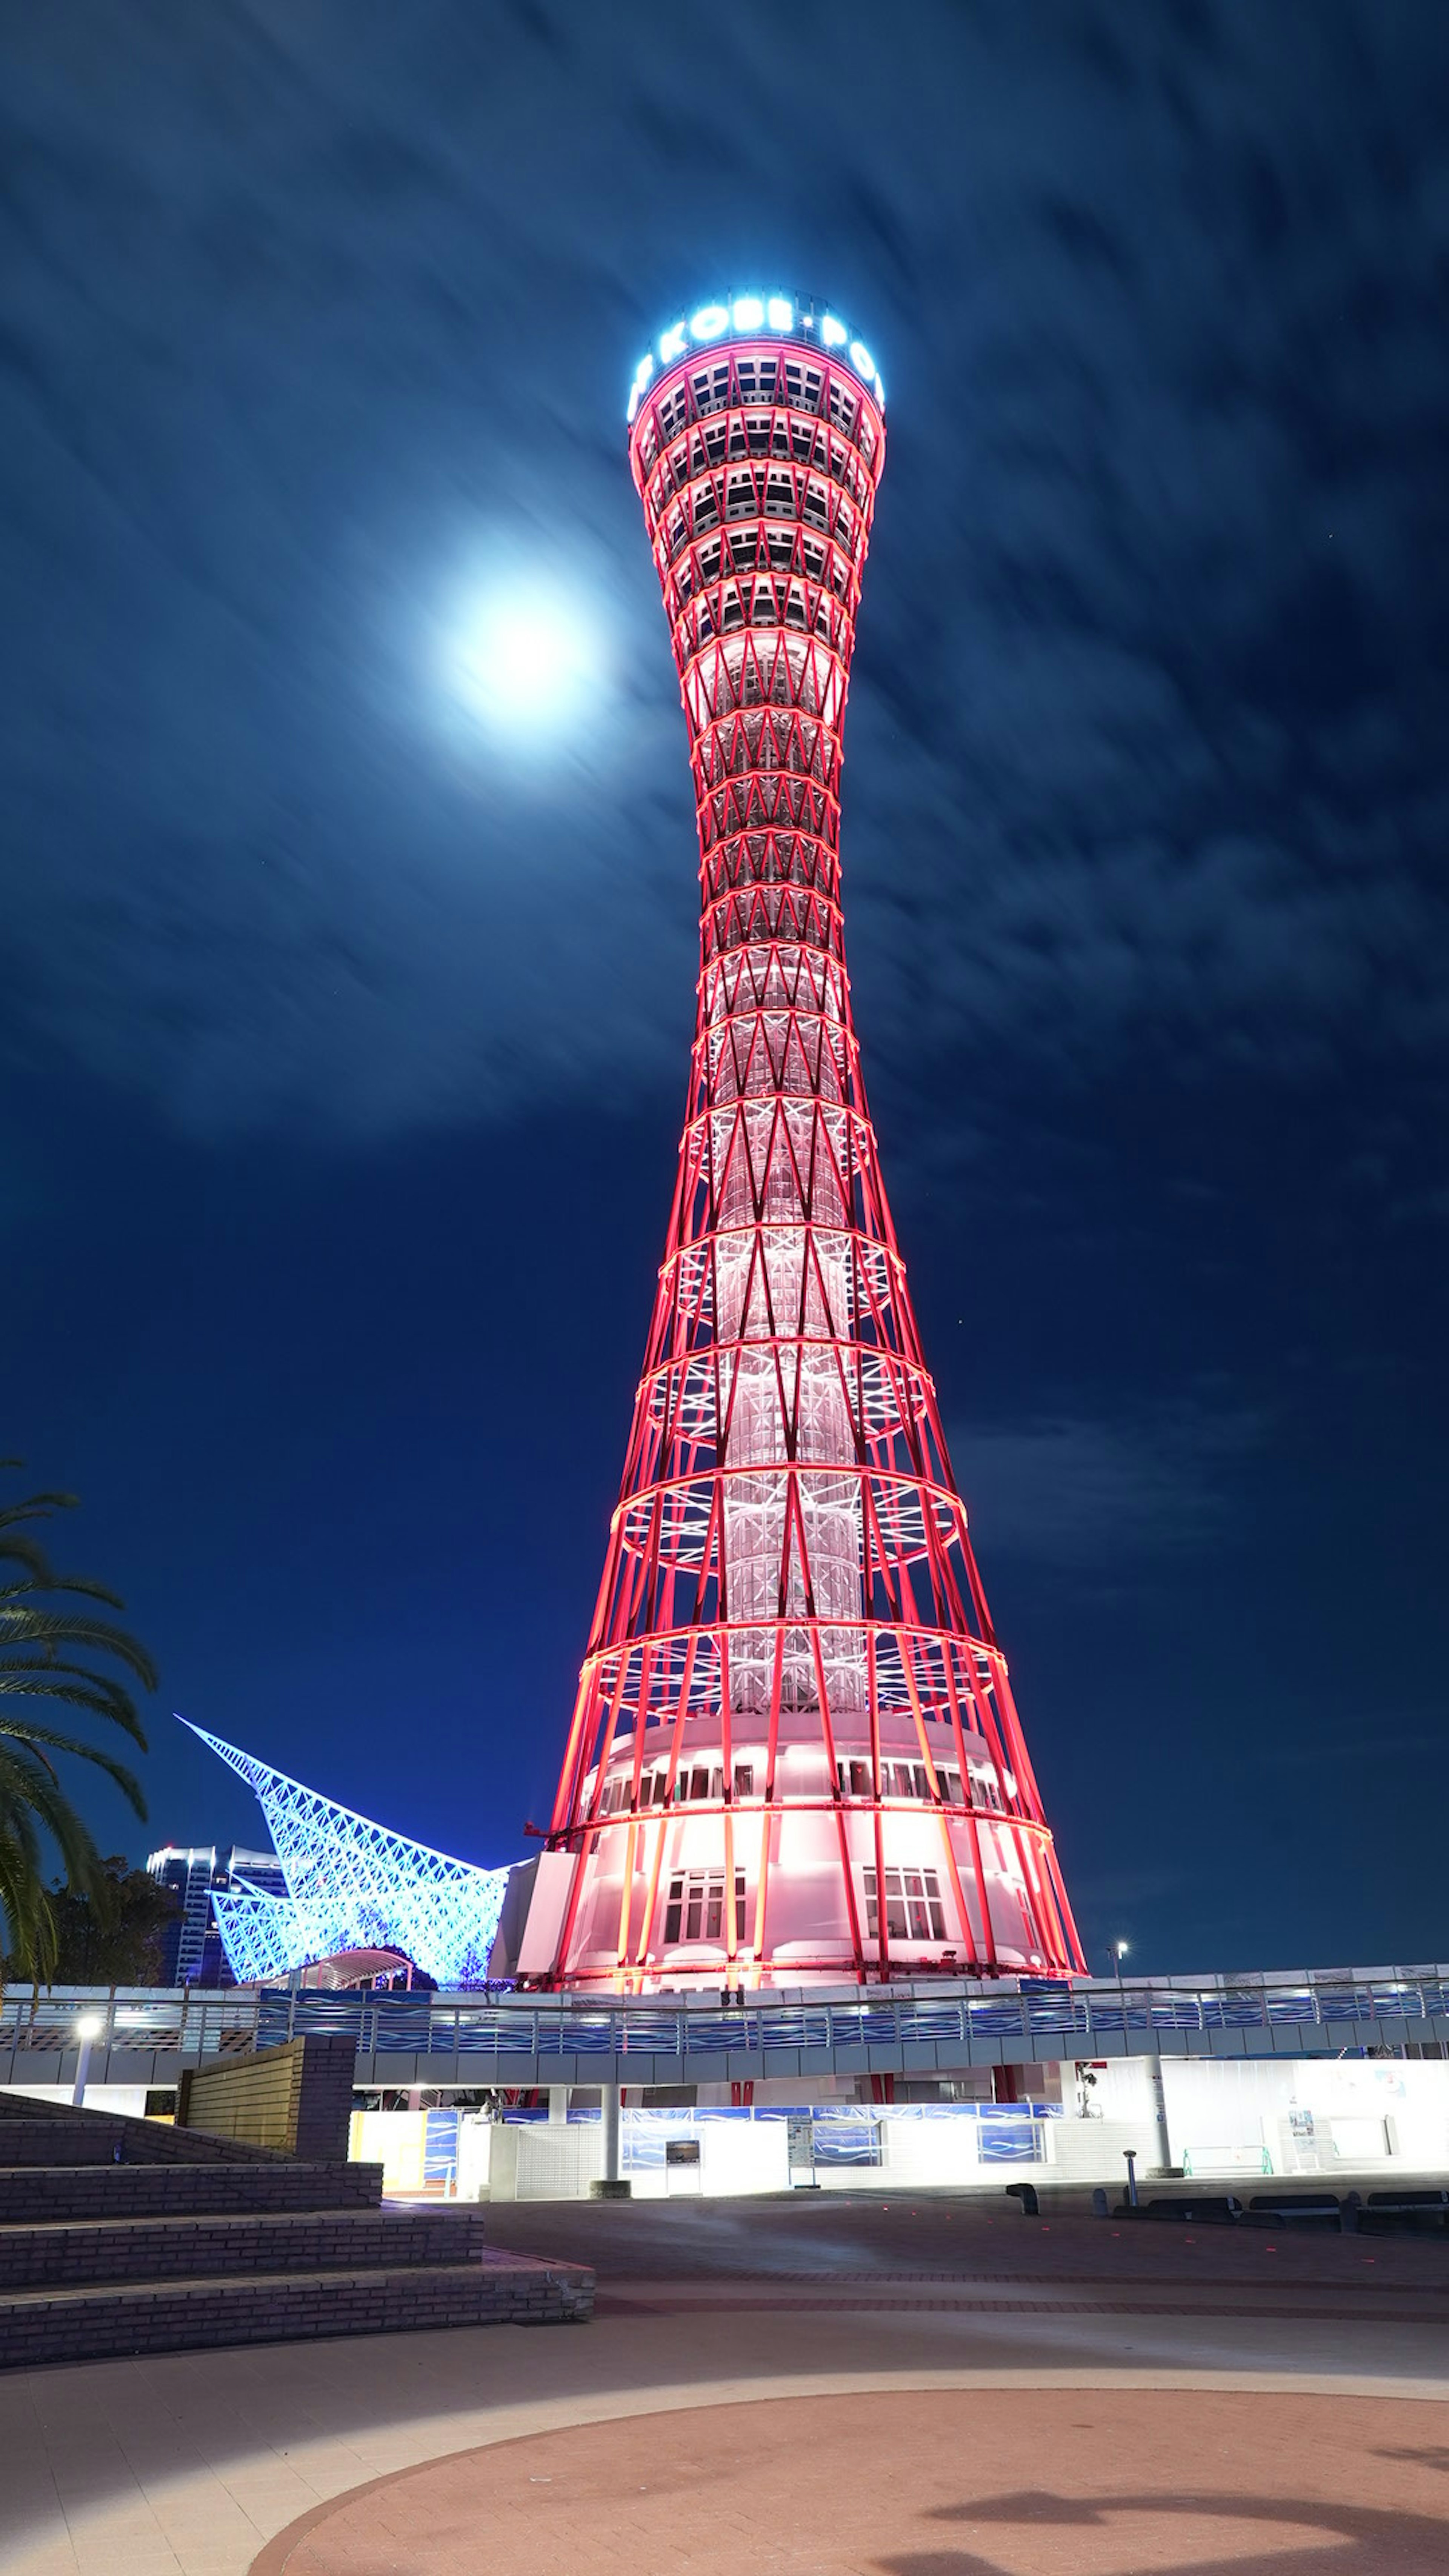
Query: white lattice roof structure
(351, 1885)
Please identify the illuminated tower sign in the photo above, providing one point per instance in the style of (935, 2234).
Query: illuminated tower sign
(794, 1755)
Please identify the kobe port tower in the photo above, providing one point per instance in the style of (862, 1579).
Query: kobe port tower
(794, 1756)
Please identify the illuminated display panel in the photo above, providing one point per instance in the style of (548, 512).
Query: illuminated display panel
(753, 317)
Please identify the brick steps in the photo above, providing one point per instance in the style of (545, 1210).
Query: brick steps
(39, 2142)
(40, 2133)
(165, 2249)
(123, 2236)
(36, 2194)
(93, 2323)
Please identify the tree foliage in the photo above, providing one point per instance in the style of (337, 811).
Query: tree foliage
(54, 1653)
(114, 1937)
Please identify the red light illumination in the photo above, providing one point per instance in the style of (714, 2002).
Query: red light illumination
(795, 1756)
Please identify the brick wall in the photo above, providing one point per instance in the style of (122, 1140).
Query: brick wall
(295, 2098)
(178, 2317)
(200, 2246)
(52, 2133)
(144, 2191)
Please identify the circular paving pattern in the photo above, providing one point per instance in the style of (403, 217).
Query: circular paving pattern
(941, 2482)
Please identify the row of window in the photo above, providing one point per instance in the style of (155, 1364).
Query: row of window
(774, 517)
(697, 1781)
(913, 1907)
(788, 432)
(897, 1780)
(689, 449)
(795, 382)
(826, 500)
(695, 1906)
(912, 1780)
(759, 491)
(828, 514)
(764, 607)
(703, 1783)
(773, 545)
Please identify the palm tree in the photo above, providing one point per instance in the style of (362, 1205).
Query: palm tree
(40, 1639)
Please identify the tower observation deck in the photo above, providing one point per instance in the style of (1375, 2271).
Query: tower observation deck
(794, 1756)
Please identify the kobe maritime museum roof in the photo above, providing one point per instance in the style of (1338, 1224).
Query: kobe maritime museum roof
(755, 317)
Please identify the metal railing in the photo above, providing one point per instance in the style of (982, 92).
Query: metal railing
(1342, 2007)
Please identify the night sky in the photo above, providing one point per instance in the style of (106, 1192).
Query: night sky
(343, 1033)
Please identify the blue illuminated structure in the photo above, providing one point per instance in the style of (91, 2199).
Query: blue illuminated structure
(756, 317)
(351, 1885)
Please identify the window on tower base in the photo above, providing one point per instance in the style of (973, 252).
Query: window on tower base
(695, 1911)
(914, 1911)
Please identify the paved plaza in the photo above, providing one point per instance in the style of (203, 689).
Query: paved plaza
(927, 2387)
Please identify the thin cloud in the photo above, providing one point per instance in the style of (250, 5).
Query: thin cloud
(305, 316)
(1085, 1495)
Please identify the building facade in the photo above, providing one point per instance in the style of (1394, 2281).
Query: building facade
(192, 1946)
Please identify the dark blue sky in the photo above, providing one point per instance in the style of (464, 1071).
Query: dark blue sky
(342, 1046)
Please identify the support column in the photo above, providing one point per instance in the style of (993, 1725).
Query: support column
(611, 2185)
(1159, 2111)
(82, 2073)
(87, 2030)
(558, 2105)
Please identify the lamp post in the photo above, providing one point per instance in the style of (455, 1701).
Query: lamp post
(1154, 2078)
(88, 2028)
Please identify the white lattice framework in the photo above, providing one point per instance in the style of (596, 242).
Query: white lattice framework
(352, 1885)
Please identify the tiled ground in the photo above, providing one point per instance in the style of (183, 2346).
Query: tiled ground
(987, 2482)
(186, 2465)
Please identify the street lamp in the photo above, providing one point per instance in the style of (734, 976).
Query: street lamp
(1119, 1953)
(89, 2027)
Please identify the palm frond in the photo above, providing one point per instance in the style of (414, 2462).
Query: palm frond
(70, 1694)
(22, 1677)
(38, 1639)
(15, 1550)
(43, 1741)
(34, 1507)
(20, 1626)
(17, 1824)
(53, 1582)
(27, 1775)
(25, 1907)
(29, 1788)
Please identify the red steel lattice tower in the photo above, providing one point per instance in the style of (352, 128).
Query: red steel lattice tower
(794, 1755)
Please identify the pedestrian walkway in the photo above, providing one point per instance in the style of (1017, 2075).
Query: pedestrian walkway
(719, 2329)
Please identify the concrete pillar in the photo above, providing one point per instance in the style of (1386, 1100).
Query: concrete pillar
(611, 2184)
(1159, 2111)
(558, 2104)
(87, 2030)
(82, 2074)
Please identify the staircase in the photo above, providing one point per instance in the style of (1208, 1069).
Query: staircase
(124, 2236)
